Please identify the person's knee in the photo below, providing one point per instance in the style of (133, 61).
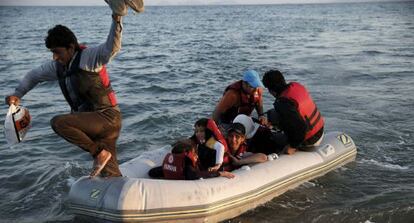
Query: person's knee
(57, 123)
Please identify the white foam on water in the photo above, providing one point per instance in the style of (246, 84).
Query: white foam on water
(308, 184)
(385, 165)
(403, 140)
(336, 212)
(70, 181)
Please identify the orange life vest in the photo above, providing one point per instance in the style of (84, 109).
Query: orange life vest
(247, 102)
(306, 108)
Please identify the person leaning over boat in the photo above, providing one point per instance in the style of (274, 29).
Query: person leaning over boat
(238, 154)
(241, 97)
(211, 145)
(183, 164)
(295, 113)
(95, 119)
(260, 138)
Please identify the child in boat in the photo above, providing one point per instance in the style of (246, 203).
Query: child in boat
(237, 149)
(183, 164)
(211, 145)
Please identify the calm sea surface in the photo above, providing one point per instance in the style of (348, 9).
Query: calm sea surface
(356, 59)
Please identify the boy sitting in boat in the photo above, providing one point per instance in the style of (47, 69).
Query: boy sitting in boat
(237, 149)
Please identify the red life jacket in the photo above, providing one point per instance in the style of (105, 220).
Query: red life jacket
(306, 108)
(240, 151)
(76, 83)
(247, 102)
(206, 152)
(174, 164)
(212, 126)
(238, 154)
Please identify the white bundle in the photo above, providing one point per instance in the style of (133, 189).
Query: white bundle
(17, 124)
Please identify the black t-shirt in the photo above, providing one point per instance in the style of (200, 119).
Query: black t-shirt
(193, 173)
(266, 141)
(290, 121)
(206, 156)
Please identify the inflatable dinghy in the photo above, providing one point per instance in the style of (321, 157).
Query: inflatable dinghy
(137, 198)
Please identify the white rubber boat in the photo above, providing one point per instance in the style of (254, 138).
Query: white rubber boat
(136, 198)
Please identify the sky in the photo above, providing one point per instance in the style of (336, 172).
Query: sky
(174, 2)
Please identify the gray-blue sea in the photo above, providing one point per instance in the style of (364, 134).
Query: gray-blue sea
(356, 59)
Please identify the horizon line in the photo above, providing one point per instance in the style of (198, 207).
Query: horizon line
(212, 4)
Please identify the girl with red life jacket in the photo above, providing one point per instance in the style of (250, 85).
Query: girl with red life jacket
(295, 113)
(183, 164)
(211, 145)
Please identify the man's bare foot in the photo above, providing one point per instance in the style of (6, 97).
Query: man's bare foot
(290, 151)
(99, 163)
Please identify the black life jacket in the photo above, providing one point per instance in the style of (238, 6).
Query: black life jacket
(84, 90)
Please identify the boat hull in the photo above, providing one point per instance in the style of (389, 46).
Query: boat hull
(136, 198)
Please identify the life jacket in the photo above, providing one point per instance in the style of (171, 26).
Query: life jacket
(306, 108)
(241, 150)
(206, 151)
(212, 126)
(238, 154)
(173, 165)
(85, 90)
(247, 102)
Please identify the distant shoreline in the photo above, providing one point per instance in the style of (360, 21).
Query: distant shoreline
(24, 4)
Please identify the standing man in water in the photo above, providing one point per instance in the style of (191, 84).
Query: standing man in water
(95, 119)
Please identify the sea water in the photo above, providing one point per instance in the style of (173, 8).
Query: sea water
(355, 59)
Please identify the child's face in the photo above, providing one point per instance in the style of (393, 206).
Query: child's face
(234, 140)
(200, 133)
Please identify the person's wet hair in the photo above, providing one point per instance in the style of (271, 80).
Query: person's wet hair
(60, 36)
(274, 80)
(182, 145)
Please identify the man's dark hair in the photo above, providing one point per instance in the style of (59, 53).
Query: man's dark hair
(274, 80)
(60, 36)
